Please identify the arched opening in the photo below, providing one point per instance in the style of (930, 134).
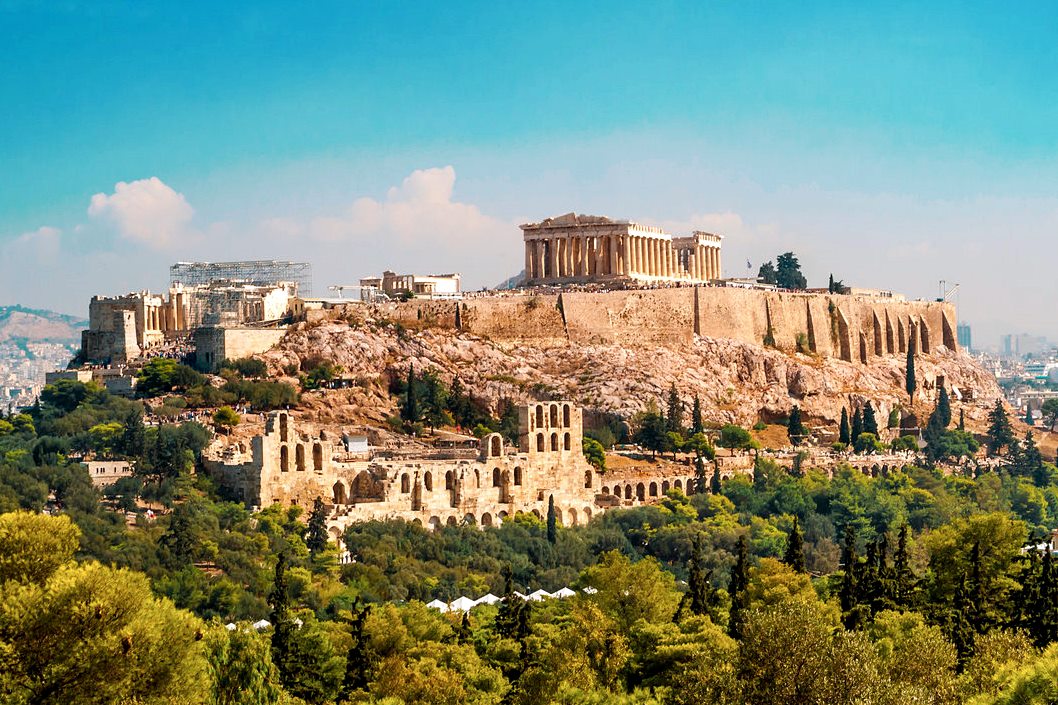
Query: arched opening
(537, 514)
(587, 514)
(554, 416)
(502, 517)
(664, 487)
(317, 457)
(449, 480)
(283, 429)
(690, 485)
(572, 517)
(284, 459)
(588, 477)
(641, 492)
(496, 447)
(427, 481)
(339, 492)
(434, 523)
(450, 521)
(469, 520)
(628, 492)
(517, 476)
(299, 457)
(495, 477)
(653, 489)
(565, 415)
(477, 478)
(405, 483)
(565, 442)
(539, 415)
(486, 519)
(678, 484)
(554, 442)
(539, 443)
(605, 490)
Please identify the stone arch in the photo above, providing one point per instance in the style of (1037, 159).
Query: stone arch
(690, 485)
(572, 517)
(338, 490)
(539, 443)
(605, 490)
(284, 428)
(284, 458)
(501, 517)
(517, 476)
(539, 415)
(336, 534)
(405, 483)
(427, 481)
(450, 521)
(678, 484)
(664, 487)
(417, 520)
(470, 520)
(434, 523)
(486, 519)
(628, 492)
(566, 443)
(588, 477)
(565, 416)
(450, 480)
(554, 442)
(553, 415)
(317, 457)
(587, 514)
(495, 477)
(653, 489)
(299, 457)
(537, 514)
(495, 445)
(641, 492)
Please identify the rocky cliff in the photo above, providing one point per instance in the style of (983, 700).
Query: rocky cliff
(736, 381)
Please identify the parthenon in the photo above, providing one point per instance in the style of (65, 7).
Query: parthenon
(585, 248)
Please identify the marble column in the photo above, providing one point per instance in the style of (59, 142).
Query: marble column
(626, 254)
(528, 259)
(552, 258)
(613, 255)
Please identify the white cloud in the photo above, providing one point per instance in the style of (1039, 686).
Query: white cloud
(42, 243)
(146, 211)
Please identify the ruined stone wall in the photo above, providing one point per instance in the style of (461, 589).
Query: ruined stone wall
(214, 344)
(852, 328)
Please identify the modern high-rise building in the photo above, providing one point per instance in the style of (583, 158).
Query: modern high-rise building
(962, 332)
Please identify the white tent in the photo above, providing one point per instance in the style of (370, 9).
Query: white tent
(539, 595)
(524, 597)
(461, 604)
(487, 599)
(590, 590)
(438, 605)
(262, 624)
(230, 626)
(563, 593)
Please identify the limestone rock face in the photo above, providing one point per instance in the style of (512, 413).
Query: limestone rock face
(736, 381)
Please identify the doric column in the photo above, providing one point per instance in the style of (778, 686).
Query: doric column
(552, 258)
(538, 254)
(626, 254)
(528, 259)
(716, 262)
(613, 255)
(670, 265)
(719, 265)
(707, 265)
(655, 246)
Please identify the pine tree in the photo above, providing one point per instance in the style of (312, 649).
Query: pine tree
(1028, 416)
(845, 432)
(700, 591)
(697, 425)
(795, 549)
(1000, 433)
(1031, 461)
(1047, 603)
(857, 425)
(737, 589)
(316, 538)
(716, 482)
(909, 373)
(943, 409)
(870, 424)
(674, 411)
(552, 521)
(700, 481)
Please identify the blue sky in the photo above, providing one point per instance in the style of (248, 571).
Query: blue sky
(894, 145)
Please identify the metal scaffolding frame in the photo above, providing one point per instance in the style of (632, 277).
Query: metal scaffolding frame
(256, 272)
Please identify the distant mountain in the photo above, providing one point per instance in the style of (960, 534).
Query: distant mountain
(513, 282)
(18, 323)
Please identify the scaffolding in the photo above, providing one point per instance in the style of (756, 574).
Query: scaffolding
(256, 272)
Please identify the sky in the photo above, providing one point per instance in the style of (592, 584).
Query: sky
(896, 145)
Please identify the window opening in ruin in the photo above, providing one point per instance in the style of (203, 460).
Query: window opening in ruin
(339, 493)
(566, 442)
(283, 428)
(496, 446)
(653, 489)
(539, 443)
(587, 478)
(565, 415)
(427, 482)
(496, 477)
(554, 415)
(640, 492)
(284, 459)
(405, 483)
(539, 416)
(554, 441)
(449, 483)
(299, 458)
(517, 476)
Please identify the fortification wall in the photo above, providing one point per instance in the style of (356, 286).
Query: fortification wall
(848, 327)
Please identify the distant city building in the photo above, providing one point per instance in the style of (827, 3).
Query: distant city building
(106, 472)
(964, 336)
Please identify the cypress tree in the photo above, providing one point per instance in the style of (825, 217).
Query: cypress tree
(411, 412)
(357, 660)
(282, 625)
(716, 482)
(674, 415)
(316, 533)
(849, 583)
(845, 432)
(697, 426)
(699, 589)
(857, 425)
(870, 424)
(909, 373)
(962, 421)
(737, 589)
(552, 523)
(1028, 416)
(700, 481)
(794, 427)
(943, 409)
(903, 577)
(1047, 603)
(795, 549)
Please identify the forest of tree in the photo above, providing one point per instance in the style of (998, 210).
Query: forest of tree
(785, 585)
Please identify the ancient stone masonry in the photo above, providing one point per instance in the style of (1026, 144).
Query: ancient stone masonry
(583, 248)
(291, 465)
